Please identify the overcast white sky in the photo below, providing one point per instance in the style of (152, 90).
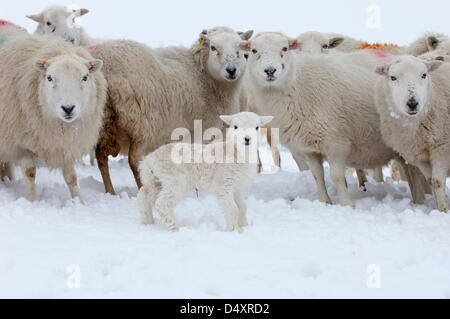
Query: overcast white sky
(174, 22)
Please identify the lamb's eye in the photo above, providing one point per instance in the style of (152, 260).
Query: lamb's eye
(393, 78)
(285, 49)
(49, 78)
(49, 23)
(235, 127)
(325, 46)
(85, 78)
(257, 128)
(254, 51)
(213, 48)
(424, 76)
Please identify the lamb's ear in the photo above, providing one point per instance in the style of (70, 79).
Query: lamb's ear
(95, 65)
(382, 69)
(83, 11)
(335, 42)
(432, 42)
(41, 65)
(203, 39)
(227, 119)
(36, 17)
(246, 35)
(245, 46)
(433, 65)
(294, 44)
(265, 120)
(440, 58)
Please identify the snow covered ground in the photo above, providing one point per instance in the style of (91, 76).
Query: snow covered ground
(295, 247)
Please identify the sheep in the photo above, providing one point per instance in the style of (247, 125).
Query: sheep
(60, 21)
(152, 92)
(325, 108)
(412, 99)
(51, 105)
(226, 167)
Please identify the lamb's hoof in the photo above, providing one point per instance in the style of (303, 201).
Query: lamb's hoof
(443, 208)
(348, 203)
(147, 220)
(243, 224)
(326, 201)
(30, 198)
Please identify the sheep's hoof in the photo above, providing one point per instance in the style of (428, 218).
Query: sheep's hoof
(147, 220)
(443, 209)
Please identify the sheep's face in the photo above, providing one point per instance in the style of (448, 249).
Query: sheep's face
(317, 43)
(245, 127)
(409, 84)
(441, 43)
(272, 60)
(66, 88)
(226, 60)
(60, 21)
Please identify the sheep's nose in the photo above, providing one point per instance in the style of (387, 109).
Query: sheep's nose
(412, 104)
(68, 109)
(270, 71)
(231, 71)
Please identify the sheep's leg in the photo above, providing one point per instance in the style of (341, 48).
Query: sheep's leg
(7, 170)
(337, 170)
(416, 179)
(240, 202)
(165, 204)
(102, 162)
(274, 147)
(362, 179)
(29, 173)
(134, 158)
(377, 174)
(92, 157)
(230, 209)
(71, 180)
(314, 161)
(411, 178)
(302, 162)
(260, 166)
(438, 180)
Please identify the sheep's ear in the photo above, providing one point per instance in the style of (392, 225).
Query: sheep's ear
(244, 46)
(95, 65)
(203, 39)
(83, 11)
(432, 42)
(335, 42)
(433, 65)
(294, 44)
(41, 65)
(246, 35)
(227, 119)
(265, 120)
(36, 17)
(440, 58)
(382, 69)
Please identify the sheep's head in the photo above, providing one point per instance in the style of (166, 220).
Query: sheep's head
(66, 88)
(316, 42)
(272, 60)
(60, 21)
(221, 54)
(408, 83)
(438, 42)
(244, 127)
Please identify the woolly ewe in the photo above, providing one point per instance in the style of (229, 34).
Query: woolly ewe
(166, 180)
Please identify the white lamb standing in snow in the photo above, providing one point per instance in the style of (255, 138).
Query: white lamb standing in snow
(413, 102)
(166, 179)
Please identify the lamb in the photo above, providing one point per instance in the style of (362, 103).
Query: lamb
(152, 92)
(51, 105)
(412, 99)
(325, 108)
(226, 167)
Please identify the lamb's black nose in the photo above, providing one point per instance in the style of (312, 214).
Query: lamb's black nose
(231, 71)
(247, 140)
(412, 104)
(270, 71)
(68, 109)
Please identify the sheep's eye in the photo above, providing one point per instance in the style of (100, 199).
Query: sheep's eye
(213, 48)
(85, 78)
(254, 51)
(325, 46)
(49, 23)
(285, 49)
(393, 78)
(235, 127)
(424, 76)
(49, 78)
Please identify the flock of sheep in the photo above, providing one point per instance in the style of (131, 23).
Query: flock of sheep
(64, 95)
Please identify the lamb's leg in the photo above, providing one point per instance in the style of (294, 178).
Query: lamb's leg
(274, 147)
(362, 179)
(314, 161)
(337, 170)
(260, 166)
(71, 180)
(29, 173)
(134, 158)
(92, 157)
(7, 170)
(102, 162)
(302, 162)
(240, 202)
(146, 199)
(165, 204)
(230, 209)
(377, 174)
(438, 180)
